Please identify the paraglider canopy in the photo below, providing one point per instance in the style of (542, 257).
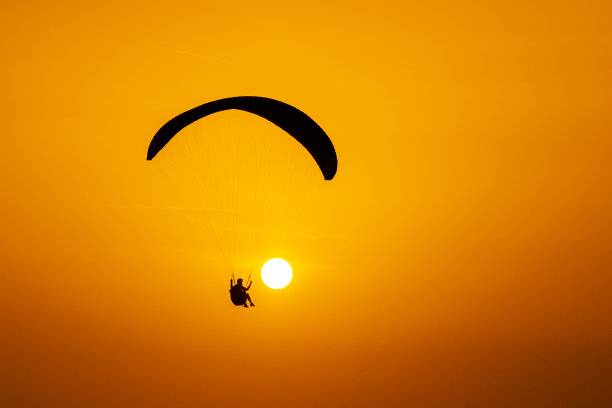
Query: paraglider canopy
(293, 121)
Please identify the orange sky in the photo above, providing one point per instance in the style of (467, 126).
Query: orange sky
(460, 258)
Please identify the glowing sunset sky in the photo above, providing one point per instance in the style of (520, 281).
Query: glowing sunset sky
(461, 257)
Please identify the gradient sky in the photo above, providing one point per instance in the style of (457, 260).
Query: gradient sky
(460, 258)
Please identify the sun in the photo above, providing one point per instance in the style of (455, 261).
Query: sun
(276, 273)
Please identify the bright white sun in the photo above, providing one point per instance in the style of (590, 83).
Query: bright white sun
(276, 273)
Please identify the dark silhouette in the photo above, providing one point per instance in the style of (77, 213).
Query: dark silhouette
(292, 120)
(238, 293)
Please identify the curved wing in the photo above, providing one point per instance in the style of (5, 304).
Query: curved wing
(290, 119)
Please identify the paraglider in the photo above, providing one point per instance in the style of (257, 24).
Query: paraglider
(293, 121)
(238, 293)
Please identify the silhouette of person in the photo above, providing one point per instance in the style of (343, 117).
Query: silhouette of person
(238, 293)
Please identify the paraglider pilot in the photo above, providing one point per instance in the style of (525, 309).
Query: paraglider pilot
(238, 293)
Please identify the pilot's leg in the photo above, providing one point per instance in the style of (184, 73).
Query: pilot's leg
(249, 299)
